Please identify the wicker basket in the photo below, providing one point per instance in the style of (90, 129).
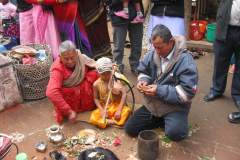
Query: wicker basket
(33, 79)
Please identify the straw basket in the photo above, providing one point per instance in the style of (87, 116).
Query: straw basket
(33, 79)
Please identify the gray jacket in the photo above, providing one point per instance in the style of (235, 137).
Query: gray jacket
(176, 86)
(223, 18)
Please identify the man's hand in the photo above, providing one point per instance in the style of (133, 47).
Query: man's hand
(72, 116)
(151, 90)
(117, 115)
(141, 85)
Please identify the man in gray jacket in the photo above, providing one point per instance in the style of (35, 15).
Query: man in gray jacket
(168, 80)
(226, 44)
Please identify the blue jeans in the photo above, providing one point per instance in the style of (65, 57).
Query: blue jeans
(135, 32)
(175, 124)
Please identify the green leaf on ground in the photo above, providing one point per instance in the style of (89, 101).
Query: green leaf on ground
(166, 139)
(205, 158)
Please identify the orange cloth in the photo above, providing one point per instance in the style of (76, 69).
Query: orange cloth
(96, 118)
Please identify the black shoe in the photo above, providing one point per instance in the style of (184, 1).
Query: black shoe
(210, 97)
(234, 117)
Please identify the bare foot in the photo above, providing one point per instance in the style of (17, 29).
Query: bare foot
(110, 122)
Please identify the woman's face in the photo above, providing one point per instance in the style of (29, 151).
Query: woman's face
(105, 76)
(68, 58)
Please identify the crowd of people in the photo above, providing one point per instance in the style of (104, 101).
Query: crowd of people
(82, 74)
(44, 22)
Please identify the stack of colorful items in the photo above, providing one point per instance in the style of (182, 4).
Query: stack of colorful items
(6, 43)
(27, 55)
(88, 139)
(9, 25)
(32, 64)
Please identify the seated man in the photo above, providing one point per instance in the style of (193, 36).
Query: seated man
(168, 80)
(70, 84)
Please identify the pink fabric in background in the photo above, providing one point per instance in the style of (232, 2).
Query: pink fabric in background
(38, 26)
(27, 33)
(7, 11)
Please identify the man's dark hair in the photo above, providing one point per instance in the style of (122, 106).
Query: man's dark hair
(162, 32)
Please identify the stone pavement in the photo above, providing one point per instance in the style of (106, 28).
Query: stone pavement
(212, 137)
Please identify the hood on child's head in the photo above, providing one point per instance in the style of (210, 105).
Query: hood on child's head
(104, 64)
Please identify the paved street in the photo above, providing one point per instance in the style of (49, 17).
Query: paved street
(212, 136)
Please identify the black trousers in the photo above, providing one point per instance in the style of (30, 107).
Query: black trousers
(175, 124)
(223, 53)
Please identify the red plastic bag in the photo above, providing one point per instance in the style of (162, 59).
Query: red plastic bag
(197, 30)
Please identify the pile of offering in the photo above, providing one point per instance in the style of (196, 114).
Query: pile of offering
(27, 55)
(88, 139)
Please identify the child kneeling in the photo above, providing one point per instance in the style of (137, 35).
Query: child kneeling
(117, 111)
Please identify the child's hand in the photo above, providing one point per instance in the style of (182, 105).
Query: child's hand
(117, 115)
(103, 113)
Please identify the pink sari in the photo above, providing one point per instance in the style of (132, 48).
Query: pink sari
(38, 26)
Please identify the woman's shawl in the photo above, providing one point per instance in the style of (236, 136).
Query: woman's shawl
(79, 71)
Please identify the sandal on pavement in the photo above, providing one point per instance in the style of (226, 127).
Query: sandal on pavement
(234, 117)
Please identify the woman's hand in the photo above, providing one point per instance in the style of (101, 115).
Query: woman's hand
(72, 116)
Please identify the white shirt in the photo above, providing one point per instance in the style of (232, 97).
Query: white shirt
(161, 64)
(235, 13)
(166, 60)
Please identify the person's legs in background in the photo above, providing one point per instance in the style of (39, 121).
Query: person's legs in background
(232, 65)
(135, 36)
(54, 40)
(235, 81)
(119, 37)
(223, 53)
(236, 76)
(27, 33)
(234, 117)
